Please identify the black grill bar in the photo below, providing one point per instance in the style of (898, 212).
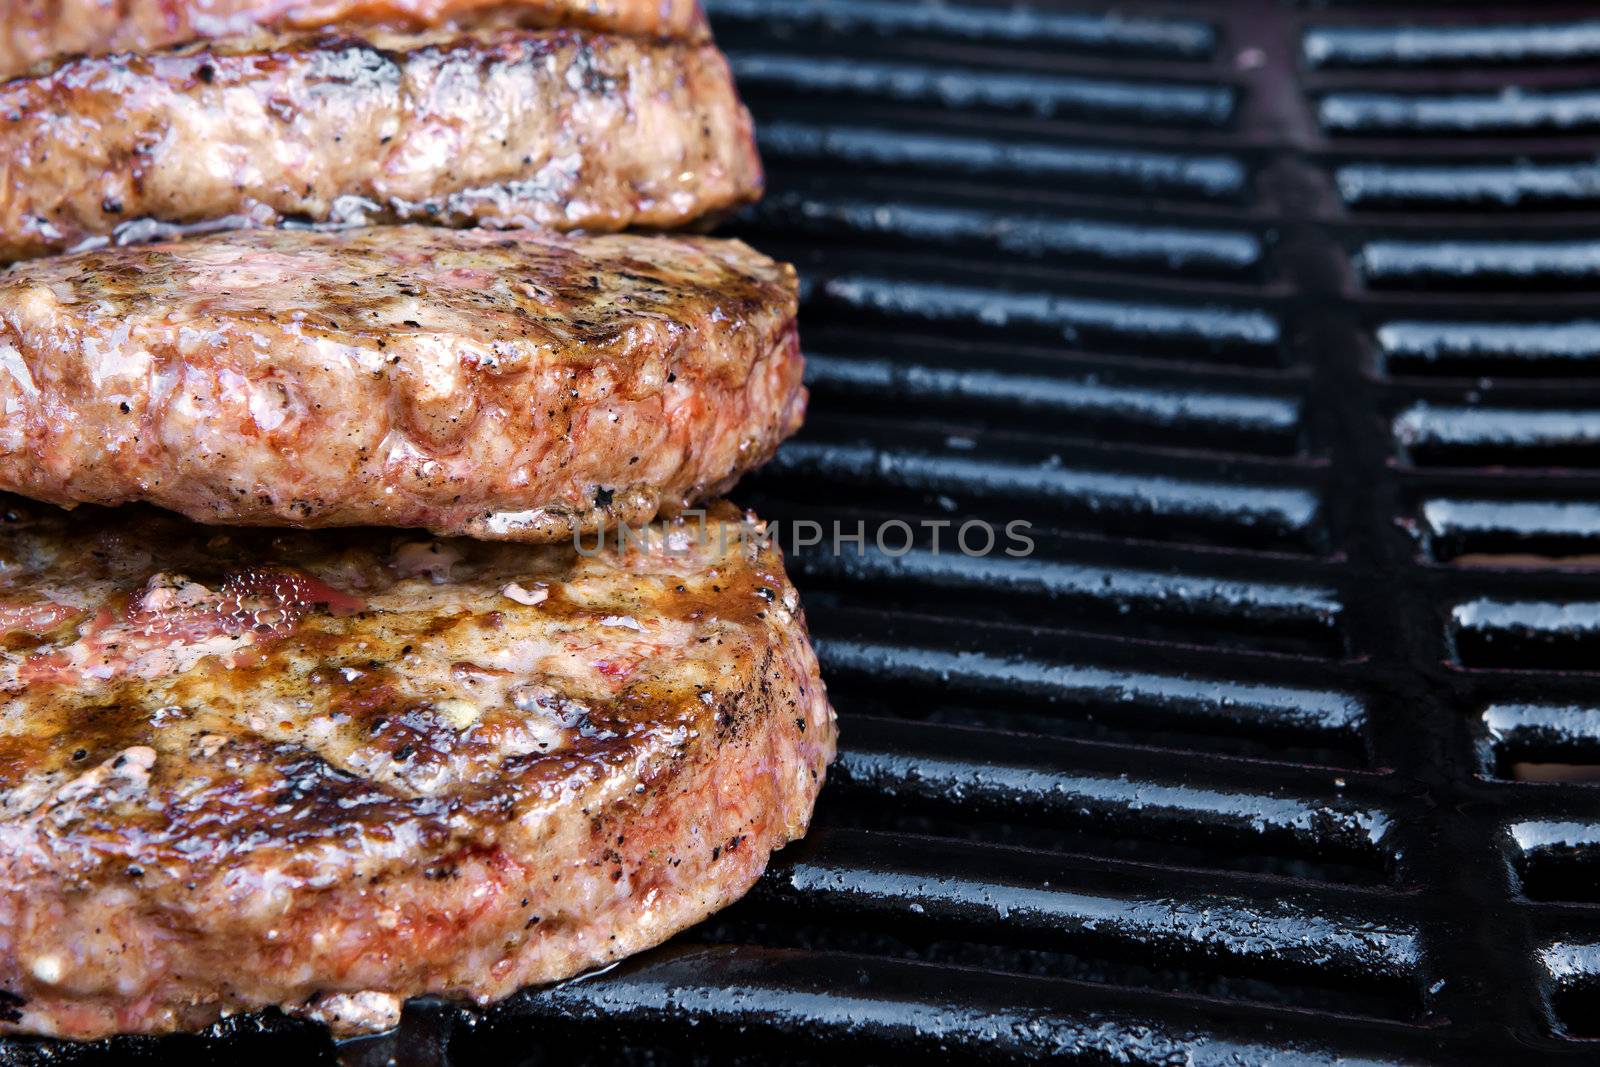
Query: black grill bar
(1492, 264)
(967, 772)
(1412, 45)
(1465, 434)
(835, 1005)
(1028, 93)
(1105, 245)
(1541, 529)
(1469, 186)
(1133, 500)
(1243, 334)
(1048, 900)
(1018, 162)
(1051, 396)
(1569, 348)
(1093, 32)
(1198, 702)
(1461, 114)
(1543, 732)
(954, 575)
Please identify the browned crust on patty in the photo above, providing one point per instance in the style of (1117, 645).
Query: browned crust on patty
(35, 30)
(509, 386)
(417, 783)
(505, 128)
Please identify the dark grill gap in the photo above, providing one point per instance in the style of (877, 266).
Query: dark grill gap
(1275, 320)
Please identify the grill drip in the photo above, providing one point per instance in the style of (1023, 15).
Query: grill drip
(1276, 321)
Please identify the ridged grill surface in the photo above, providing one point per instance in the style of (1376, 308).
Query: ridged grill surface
(1276, 322)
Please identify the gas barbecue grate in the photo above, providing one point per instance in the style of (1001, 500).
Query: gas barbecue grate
(1276, 322)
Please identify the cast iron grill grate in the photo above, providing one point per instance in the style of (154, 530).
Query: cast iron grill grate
(1275, 322)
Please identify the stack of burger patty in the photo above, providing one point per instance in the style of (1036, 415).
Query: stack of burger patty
(310, 119)
(370, 627)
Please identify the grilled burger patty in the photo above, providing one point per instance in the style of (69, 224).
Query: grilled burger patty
(561, 129)
(508, 386)
(329, 771)
(35, 30)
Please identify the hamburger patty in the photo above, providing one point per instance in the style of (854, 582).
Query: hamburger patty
(35, 30)
(508, 386)
(561, 129)
(330, 771)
